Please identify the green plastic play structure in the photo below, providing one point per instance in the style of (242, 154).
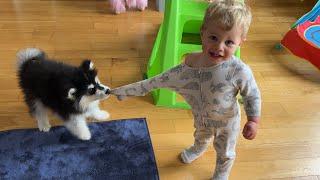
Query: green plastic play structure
(179, 34)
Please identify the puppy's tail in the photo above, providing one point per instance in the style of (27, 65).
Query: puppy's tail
(25, 55)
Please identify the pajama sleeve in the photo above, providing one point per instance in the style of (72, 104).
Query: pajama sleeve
(167, 79)
(249, 90)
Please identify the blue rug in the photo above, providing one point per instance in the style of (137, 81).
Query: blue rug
(118, 150)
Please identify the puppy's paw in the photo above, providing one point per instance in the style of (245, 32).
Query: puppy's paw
(44, 127)
(85, 135)
(101, 115)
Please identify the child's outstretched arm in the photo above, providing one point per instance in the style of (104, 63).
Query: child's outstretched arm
(167, 79)
(252, 101)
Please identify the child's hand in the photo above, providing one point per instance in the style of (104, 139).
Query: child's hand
(119, 97)
(250, 128)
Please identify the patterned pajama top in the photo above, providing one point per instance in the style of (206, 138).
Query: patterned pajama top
(210, 91)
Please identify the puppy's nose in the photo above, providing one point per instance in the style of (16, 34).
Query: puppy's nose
(108, 91)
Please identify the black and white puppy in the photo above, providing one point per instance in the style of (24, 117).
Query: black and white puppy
(72, 93)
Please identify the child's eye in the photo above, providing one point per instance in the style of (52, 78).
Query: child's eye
(214, 38)
(229, 43)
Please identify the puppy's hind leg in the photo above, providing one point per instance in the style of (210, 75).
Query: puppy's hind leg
(41, 115)
(77, 125)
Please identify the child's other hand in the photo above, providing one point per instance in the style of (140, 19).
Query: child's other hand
(250, 130)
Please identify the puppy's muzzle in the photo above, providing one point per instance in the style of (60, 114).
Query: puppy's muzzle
(107, 91)
(103, 90)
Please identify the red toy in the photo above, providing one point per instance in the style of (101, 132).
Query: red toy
(303, 40)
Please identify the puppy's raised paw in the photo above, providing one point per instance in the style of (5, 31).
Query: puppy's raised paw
(101, 115)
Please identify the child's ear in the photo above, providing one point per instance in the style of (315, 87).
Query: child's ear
(87, 65)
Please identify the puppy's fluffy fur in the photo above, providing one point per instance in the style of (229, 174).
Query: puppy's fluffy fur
(72, 93)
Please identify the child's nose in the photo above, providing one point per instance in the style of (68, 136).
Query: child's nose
(218, 47)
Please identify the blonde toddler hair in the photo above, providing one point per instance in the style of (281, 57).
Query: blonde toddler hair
(227, 14)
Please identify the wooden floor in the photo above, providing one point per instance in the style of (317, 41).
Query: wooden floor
(288, 143)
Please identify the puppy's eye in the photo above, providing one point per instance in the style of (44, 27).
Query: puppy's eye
(91, 90)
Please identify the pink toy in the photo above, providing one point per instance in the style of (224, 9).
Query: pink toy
(119, 6)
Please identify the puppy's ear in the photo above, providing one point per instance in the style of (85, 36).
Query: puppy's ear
(72, 94)
(87, 65)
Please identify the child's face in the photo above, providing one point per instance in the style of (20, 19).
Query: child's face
(219, 44)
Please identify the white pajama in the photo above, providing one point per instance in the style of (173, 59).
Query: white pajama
(211, 93)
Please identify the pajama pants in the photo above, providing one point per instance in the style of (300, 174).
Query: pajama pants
(224, 142)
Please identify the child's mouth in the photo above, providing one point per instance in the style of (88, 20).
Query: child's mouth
(214, 55)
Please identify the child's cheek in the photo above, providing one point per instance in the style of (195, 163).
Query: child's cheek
(205, 47)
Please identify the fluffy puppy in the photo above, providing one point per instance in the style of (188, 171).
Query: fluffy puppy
(72, 93)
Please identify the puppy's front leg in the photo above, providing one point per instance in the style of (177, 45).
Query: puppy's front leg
(77, 125)
(95, 112)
